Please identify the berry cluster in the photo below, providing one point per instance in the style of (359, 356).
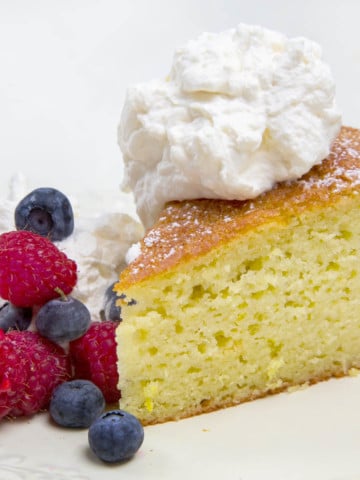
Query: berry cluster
(65, 362)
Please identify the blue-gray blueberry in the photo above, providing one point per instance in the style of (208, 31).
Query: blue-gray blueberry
(76, 404)
(47, 212)
(115, 436)
(63, 319)
(111, 310)
(14, 318)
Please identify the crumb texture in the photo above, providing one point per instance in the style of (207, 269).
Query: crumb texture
(270, 304)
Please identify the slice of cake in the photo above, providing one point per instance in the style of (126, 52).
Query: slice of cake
(229, 301)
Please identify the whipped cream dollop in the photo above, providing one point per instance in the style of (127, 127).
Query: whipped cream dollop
(239, 111)
(98, 244)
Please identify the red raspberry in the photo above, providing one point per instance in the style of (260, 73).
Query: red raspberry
(31, 268)
(94, 358)
(6, 393)
(30, 368)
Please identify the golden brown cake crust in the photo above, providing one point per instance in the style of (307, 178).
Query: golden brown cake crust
(284, 388)
(191, 228)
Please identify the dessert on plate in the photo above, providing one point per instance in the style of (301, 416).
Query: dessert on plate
(247, 279)
(239, 299)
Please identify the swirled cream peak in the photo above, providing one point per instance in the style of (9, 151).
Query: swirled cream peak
(240, 111)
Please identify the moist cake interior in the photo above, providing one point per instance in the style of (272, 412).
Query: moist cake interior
(236, 300)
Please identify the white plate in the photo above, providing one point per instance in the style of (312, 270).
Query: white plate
(310, 434)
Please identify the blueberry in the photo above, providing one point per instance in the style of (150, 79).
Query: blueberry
(47, 212)
(76, 404)
(115, 436)
(111, 311)
(63, 319)
(14, 318)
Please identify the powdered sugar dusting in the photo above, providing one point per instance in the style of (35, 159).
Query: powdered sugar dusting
(185, 229)
(152, 238)
(344, 171)
(191, 228)
(353, 153)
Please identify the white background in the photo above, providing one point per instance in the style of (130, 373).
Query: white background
(65, 65)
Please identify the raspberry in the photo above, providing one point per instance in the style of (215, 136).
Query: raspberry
(6, 393)
(32, 267)
(94, 358)
(30, 368)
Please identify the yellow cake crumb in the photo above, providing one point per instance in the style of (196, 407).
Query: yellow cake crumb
(236, 300)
